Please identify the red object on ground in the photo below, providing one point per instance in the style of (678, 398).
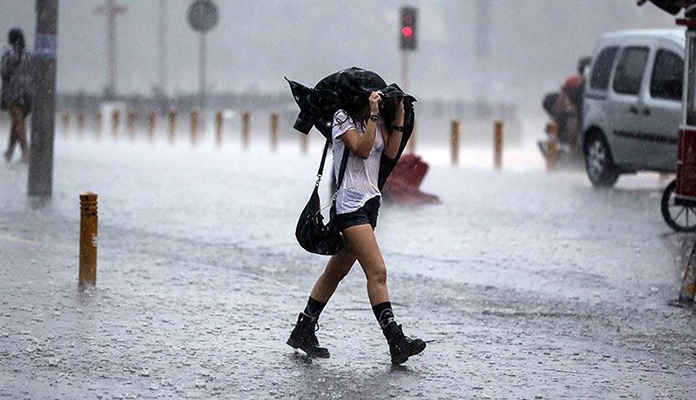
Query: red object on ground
(403, 184)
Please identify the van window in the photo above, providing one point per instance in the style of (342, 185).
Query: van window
(629, 70)
(601, 68)
(667, 76)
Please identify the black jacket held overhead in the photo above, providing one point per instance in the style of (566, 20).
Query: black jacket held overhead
(318, 105)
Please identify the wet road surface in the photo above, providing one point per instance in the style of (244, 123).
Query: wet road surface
(526, 285)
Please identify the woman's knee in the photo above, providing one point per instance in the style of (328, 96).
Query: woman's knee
(335, 274)
(377, 274)
(339, 266)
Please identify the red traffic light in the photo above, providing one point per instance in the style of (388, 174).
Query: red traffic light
(407, 40)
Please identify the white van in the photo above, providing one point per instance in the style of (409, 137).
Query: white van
(632, 105)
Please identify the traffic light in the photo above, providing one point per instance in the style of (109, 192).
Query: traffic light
(408, 30)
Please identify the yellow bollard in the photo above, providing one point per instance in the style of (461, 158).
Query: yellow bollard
(552, 146)
(172, 124)
(498, 145)
(81, 121)
(132, 119)
(274, 131)
(304, 143)
(115, 123)
(151, 122)
(246, 117)
(454, 141)
(218, 127)
(66, 123)
(88, 239)
(194, 125)
(99, 119)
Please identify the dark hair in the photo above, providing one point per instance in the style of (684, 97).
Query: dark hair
(16, 38)
(355, 107)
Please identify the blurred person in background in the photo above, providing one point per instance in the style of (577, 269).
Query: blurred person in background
(17, 70)
(565, 108)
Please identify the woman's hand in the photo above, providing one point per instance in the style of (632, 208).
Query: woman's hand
(375, 99)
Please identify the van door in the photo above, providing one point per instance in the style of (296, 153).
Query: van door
(626, 106)
(662, 109)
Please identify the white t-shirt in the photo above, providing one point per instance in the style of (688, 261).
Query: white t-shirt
(361, 176)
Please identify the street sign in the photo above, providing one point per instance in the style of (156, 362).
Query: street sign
(203, 15)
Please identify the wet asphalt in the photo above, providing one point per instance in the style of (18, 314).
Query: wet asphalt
(525, 284)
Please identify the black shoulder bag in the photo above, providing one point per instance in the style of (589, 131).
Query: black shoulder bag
(311, 232)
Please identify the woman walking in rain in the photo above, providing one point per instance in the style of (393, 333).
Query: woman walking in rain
(359, 127)
(17, 69)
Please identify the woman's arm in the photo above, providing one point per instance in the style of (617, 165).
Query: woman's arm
(362, 145)
(392, 140)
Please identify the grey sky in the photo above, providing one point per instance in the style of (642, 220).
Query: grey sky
(534, 43)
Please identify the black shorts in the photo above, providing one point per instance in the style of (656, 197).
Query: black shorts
(366, 214)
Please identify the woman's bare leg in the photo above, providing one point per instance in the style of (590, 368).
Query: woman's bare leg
(18, 130)
(13, 138)
(336, 269)
(363, 244)
(303, 336)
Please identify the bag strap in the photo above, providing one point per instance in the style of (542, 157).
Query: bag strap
(341, 171)
(321, 164)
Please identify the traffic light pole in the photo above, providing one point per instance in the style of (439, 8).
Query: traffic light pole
(407, 41)
(44, 107)
(405, 71)
(202, 71)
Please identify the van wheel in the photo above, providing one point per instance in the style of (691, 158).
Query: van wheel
(598, 163)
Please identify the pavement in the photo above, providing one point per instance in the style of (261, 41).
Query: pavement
(525, 284)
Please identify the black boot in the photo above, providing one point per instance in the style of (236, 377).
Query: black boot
(401, 346)
(303, 337)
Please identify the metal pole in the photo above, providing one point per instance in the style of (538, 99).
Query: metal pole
(194, 126)
(454, 142)
(246, 121)
(201, 72)
(43, 118)
(111, 46)
(483, 48)
(498, 145)
(218, 127)
(412, 140)
(274, 131)
(552, 146)
(151, 121)
(89, 227)
(111, 10)
(163, 47)
(172, 124)
(404, 71)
